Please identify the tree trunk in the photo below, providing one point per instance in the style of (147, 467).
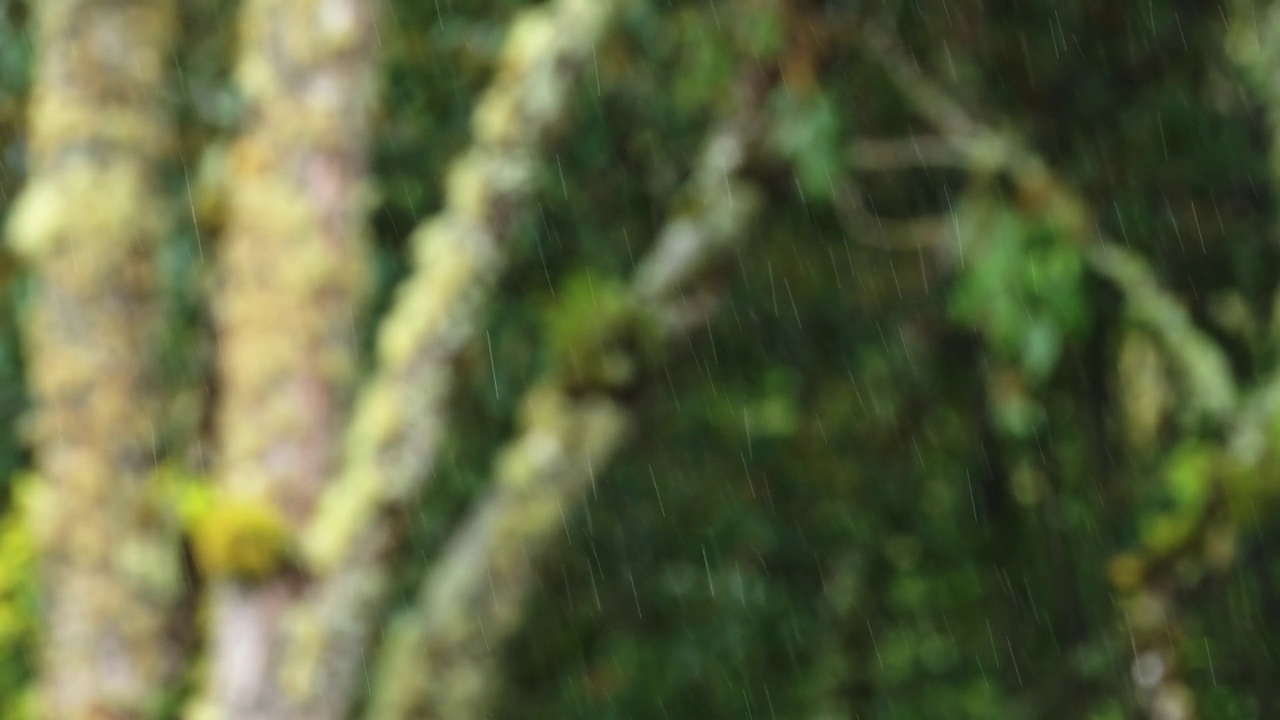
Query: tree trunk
(88, 225)
(402, 410)
(291, 281)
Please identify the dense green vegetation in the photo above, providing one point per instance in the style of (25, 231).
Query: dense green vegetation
(910, 469)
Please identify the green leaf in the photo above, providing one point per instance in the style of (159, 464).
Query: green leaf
(807, 131)
(1188, 477)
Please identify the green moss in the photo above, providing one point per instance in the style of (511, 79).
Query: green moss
(18, 604)
(1190, 476)
(457, 257)
(599, 337)
(240, 538)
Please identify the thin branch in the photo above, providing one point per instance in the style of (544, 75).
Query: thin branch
(1199, 360)
(401, 412)
(897, 234)
(929, 99)
(880, 154)
(1201, 363)
(442, 657)
(441, 660)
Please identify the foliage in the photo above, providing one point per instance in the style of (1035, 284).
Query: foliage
(806, 130)
(1022, 287)
(598, 336)
(18, 602)
(886, 480)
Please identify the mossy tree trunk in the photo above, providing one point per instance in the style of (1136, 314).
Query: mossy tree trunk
(87, 225)
(402, 410)
(290, 286)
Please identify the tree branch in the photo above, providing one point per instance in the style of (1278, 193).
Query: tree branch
(1151, 588)
(458, 256)
(441, 659)
(400, 413)
(1200, 362)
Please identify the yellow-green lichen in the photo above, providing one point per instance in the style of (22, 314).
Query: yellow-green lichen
(293, 273)
(476, 595)
(599, 336)
(292, 281)
(87, 225)
(106, 217)
(347, 504)
(240, 538)
(18, 601)
(478, 182)
(429, 301)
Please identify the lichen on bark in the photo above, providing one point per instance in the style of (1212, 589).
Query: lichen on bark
(400, 412)
(440, 663)
(291, 283)
(442, 657)
(458, 255)
(88, 224)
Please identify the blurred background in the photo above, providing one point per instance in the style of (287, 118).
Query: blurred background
(937, 454)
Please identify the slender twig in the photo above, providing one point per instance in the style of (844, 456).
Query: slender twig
(1201, 363)
(869, 154)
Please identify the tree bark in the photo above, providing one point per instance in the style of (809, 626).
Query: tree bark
(291, 283)
(442, 659)
(401, 411)
(88, 224)
(458, 256)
